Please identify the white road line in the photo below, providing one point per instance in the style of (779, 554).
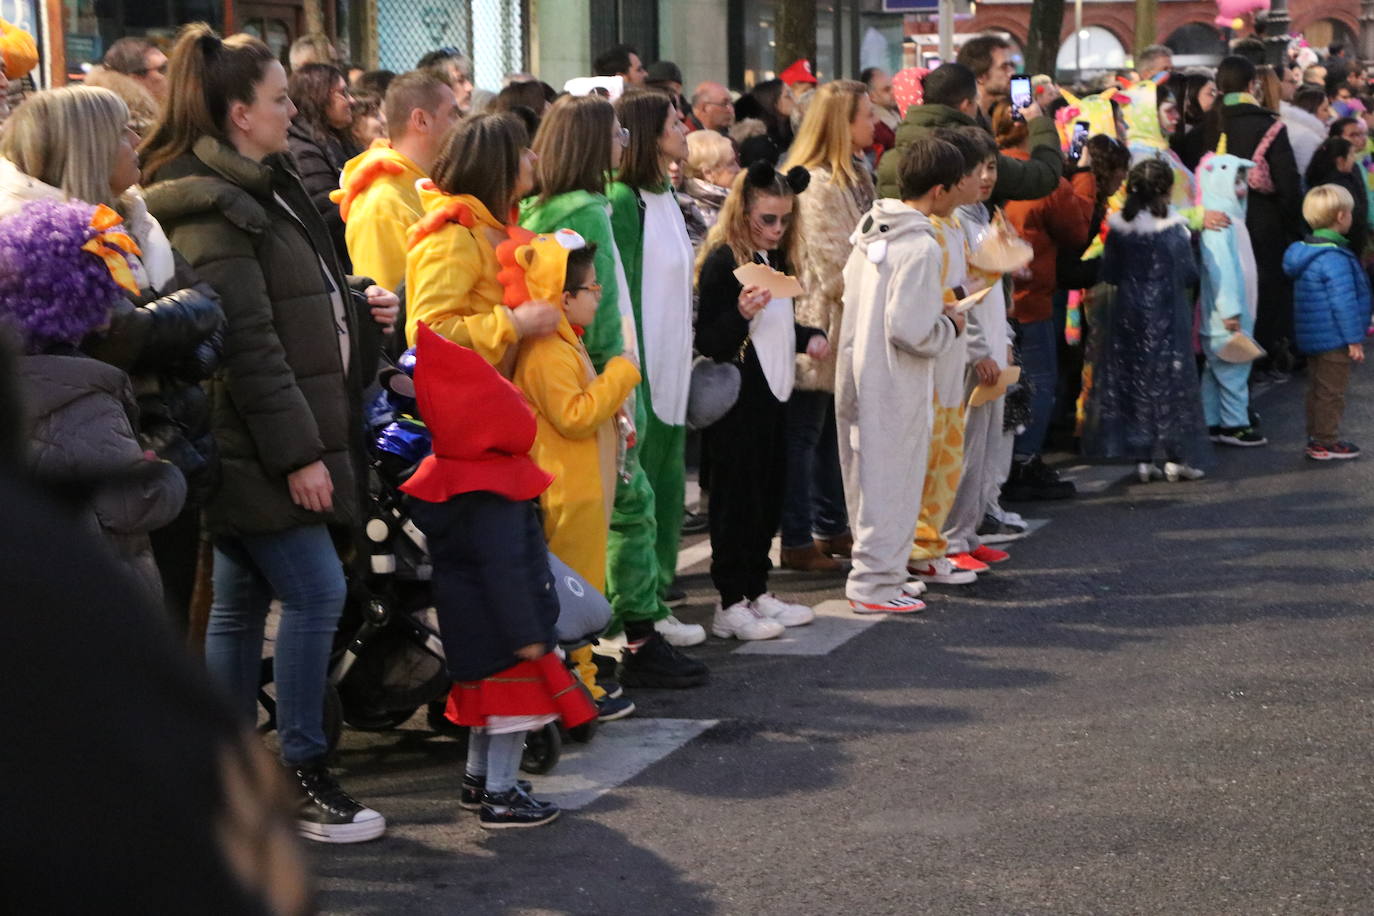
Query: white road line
(619, 752)
(835, 625)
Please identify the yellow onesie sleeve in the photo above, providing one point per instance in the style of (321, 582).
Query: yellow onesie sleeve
(442, 271)
(554, 384)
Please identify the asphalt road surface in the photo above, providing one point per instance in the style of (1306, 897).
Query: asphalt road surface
(1162, 704)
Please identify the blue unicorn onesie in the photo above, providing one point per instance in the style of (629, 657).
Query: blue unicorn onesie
(1229, 290)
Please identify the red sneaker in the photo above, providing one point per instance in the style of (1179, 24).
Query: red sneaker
(986, 554)
(967, 562)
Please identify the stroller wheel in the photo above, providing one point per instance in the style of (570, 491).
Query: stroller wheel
(543, 747)
(377, 721)
(583, 733)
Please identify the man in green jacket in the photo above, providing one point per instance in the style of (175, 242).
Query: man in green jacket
(951, 100)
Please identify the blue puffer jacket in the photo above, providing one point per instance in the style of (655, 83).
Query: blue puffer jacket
(1330, 295)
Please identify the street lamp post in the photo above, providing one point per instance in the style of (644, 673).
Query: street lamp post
(1078, 38)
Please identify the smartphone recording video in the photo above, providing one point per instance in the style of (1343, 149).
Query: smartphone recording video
(1020, 94)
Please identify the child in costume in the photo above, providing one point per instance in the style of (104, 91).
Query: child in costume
(1331, 313)
(747, 447)
(493, 590)
(945, 458)
(1229, 294)
(574, 407)
(1144, 402)
(985, 457)
(895, 328)
(64, 270)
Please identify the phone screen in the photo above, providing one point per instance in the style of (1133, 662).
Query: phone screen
(1080, 137)
(1020, 92)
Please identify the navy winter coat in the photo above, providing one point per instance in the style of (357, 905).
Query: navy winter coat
(1330, 295)
(494, 592)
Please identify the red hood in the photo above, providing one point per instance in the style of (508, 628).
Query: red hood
(481, 427)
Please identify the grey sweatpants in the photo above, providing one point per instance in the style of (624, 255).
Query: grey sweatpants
(982, 445)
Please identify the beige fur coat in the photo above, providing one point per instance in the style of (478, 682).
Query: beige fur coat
(829, 213)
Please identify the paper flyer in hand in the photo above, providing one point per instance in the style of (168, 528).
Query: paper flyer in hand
(984, 393)
(968, 302)
(1241, 348)
(779, 284)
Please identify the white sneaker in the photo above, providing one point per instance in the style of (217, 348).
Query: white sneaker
(1176, 472)
(941, 571)
(1147, 471)
(915, 588)
(902, 604)
(677, 633)
(742, 620)
(784, 612)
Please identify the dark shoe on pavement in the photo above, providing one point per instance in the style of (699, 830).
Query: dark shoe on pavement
(610, 708)
(611, 686)
(326, 813)
(809, 559)
(657, 664)
(695, 523)
(474, 787)
(992, 531)
(1239, 436)
(841, 546)
(1035, 480)
(515, 808)
(675, 596)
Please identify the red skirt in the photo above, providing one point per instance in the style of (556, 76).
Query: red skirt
(539, 688)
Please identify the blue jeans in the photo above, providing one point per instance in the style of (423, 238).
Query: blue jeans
(1040, 364)
(302, 569)
(813, 502)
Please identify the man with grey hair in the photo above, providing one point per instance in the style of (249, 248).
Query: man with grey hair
(455, 68)
(1154, 60)
(711, 108)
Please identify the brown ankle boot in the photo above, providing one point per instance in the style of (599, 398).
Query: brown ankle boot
(841, 546)
(808, 559)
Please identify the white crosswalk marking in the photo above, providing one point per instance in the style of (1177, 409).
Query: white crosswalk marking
(618, 753)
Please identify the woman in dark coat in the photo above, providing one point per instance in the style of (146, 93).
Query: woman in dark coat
(1334, 163)
(286, 399)
(321, 141)
(1145, 402)
(1273, 216)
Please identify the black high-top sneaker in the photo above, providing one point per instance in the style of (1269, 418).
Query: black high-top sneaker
(514, 809)
(327, 814)
(657, 664)
(474, 787)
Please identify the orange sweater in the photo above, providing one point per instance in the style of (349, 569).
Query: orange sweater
(1062, 218)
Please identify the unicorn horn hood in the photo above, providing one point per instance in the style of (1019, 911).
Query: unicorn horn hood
(1219, 176)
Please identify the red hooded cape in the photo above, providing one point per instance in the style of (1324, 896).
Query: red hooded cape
(481, 427)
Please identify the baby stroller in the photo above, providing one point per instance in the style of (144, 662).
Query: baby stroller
(388, 659)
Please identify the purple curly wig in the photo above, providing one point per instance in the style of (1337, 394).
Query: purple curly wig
(51, 291)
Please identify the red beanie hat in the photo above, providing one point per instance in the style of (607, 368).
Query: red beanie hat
(799, 72)
(481, 427)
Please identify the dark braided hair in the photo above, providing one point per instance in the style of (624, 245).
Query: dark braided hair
(1147, 188)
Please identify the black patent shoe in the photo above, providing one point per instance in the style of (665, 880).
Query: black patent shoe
(515, 809)
(474, 787)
